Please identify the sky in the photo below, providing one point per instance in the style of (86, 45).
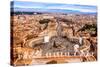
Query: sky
(82, 2)
(75, 5)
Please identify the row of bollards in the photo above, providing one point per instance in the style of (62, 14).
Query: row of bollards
(38, 54)
(64, 54)
(57, 54)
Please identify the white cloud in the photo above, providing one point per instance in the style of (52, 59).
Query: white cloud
(81, 9)
(61, 7)
(88, 10)
(82, 2)
(28, 6)
(73, 8)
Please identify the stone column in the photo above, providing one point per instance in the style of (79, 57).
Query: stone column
(50, 55)
(47, 55)
(68, 53)
(57, 54)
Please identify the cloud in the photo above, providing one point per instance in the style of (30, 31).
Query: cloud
(61, 6)
(80, 8)
(19, 6)
(82, 2)
(75, 8)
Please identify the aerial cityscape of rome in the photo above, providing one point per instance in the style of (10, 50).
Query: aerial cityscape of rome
(52, 35)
